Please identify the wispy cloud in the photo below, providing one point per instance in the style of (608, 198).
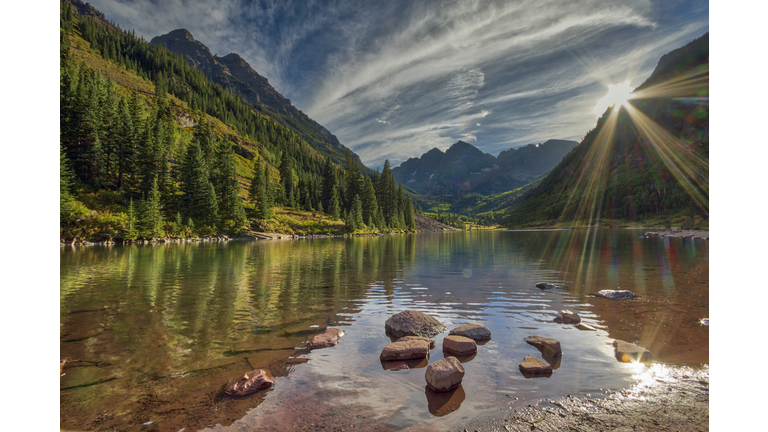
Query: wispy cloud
(394, 79)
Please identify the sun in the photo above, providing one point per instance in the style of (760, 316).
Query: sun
(617, 94)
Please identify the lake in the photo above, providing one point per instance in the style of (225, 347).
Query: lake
(153, 333)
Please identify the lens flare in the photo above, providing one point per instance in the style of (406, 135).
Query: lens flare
(618, 95)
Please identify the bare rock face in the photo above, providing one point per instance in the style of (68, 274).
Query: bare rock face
(431, 342)
(627, 352)
(473, 331)
(567, 317)
(405, 350)
(531, 367)
(250, 382)
(444, 375)
(459, 345)
(616, 294)
(326, 339)
(413, 323)
(548, 347)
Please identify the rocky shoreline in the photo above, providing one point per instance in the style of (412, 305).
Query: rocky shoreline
(667, 398)
(678, 233)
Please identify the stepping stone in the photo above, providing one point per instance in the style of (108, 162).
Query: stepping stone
(476, 332)
(567, 317)
(405, 350)
(459, 345)
(548, 347)
(431, 342)
(444, 375)
(250, 382)
(326, 339)
(531, 367)
(629, 353)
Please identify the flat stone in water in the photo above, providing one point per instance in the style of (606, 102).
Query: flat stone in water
(531, 367)
(413, 323)
(250, 382)
(546, 286)
(405, 350)
(459, 345)
(444, 375)
(627, 352)
(473, 331)
(326, 339)
(431, 342)
(616, 294)
(582, 326)
(567, 317)
(549, 347)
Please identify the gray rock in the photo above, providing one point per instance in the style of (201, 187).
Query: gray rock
(616, 294)
(549, 347)
(567, 317)
(444, 375)
(413, 323)
(473, 331)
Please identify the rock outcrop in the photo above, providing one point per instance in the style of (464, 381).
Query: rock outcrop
(547, 346)
(250, 382)
(459, 345)
(326, 339)
(567, 317)
(476, 332)
(444, 375)
(413, 323)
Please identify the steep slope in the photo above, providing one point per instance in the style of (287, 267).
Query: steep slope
(463, 168)
(234, 72)
(647, 161)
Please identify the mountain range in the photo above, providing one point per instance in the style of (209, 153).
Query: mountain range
(232, 71)
(463, 168)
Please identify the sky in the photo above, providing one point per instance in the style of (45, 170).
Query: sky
(394, 79)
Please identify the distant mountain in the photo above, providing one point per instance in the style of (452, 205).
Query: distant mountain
(234, 72)
(463, 168)
(646, 162)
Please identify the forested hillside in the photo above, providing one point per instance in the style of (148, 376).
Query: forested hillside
(648, 161)
(151, 148)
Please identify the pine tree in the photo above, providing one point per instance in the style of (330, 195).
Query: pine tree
(256, 182)
(357, 212)
(334, 208)
(369, 201)
(195, 181)
(410, 217)
(210, 214)
(151, 216)
(131, 232)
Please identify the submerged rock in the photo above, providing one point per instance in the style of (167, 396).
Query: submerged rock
(549, 347)
(431, 342)
(413, 323)
(326, 339)
(531, 367)
(459, 345)
(405, 350)
(582, 326)
(444, 375)
(627, 352)
(547, 285)
(616, 294)
(567, 317)
(250, 382)
(473, 331)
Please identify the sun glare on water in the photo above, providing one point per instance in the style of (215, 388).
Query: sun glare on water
(617, 94)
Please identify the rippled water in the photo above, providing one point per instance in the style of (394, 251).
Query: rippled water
(153, 333)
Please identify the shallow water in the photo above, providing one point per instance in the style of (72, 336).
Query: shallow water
(153, 333)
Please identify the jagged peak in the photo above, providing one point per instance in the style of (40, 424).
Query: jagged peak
(181, 33)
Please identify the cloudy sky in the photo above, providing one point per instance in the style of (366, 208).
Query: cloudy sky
(393, 79)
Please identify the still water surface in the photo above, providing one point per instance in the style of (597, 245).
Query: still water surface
(153, 333)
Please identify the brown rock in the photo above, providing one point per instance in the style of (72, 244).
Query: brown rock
(431, 342)
(250, 382)
(444, 375)
(413, 323)
(567, 317)
(531, 367)
(548, 347)
(326, 339)
(473, 331)
(405, 350)
(627, 352)
(459, 345)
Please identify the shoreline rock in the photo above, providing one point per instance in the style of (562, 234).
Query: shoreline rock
(567, 317)
(628, 353)
(531, 367)
(444, 375)
(330, 337)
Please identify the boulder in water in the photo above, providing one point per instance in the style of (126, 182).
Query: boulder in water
(405, 350)
(567, 317)
(628, 353)
(459, 345)
(547, 285)
(531, 367)
(326, 339)
(444, 375)
(549, 347)
(413, 323)
(250, 382)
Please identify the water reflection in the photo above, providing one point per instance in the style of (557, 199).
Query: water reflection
(173, 323)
